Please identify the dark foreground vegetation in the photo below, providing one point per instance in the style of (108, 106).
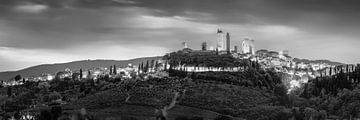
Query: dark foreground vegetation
(209, 95)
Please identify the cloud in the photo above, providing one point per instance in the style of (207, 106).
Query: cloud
(57, 26)
(31, 8)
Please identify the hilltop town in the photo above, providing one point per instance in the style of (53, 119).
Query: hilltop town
(298, 72)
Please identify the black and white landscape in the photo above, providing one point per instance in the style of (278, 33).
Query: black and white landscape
(179, 60)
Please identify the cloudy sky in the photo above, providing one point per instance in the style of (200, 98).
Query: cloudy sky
(35, 32)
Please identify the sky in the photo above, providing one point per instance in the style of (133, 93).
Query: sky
(34, 32)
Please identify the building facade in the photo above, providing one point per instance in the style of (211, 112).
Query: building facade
(248, 46)
(221, 46)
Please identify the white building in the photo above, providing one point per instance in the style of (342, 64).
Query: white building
(248, 46)
(221, 43)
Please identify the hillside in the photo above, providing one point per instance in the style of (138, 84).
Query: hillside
(267, 53)
(317, 61)
(76, 65)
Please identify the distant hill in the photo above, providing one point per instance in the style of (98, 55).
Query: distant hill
(76, 65)
(317, 61)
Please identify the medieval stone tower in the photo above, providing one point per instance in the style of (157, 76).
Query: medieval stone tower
(220, 40)
(248, 46)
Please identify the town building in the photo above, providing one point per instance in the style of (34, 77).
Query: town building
(248, 46)
(221, 45)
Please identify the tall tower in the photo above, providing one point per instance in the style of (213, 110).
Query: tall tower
(252, 48)
(248, 46)
(220, 40)
(245, 46)
(227, 42)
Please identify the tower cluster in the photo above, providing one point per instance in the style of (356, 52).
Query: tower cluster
(223, 42)
(223, 45)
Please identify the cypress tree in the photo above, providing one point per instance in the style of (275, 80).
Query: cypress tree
(347, 72)
(81, 74)
(110, 70)
(147, 66)
(142, 66)
(114, 70)
(9, 91)
(156, 65)
(330, 71)
(152, 63)
(89, 73)
(165, 66)
(139, 68)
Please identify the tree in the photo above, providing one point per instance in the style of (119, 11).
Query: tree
(280, 90)
(152, 64)
(9, 91)
(139, 68)
(156, 65)
(17, 77)
(114, 70)
(146, 66)
(81, 74)
(110, 70)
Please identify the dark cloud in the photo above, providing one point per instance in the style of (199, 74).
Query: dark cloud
(69, 3)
